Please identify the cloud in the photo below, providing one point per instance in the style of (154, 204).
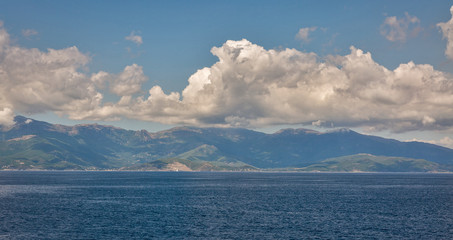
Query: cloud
(134, 38)
(318, 123)
(6, 117)
(29, 32)
(125, 83)
(446, 142)
(398, 30)
(447, 31)
(304, 33)
(4, 38)
(34, 81)
(129, 81)
(248, 86)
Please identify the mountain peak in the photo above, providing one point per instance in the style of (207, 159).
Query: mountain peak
(182, 129)
(52, 146)
(22, 120)
(296, 131)
(341, 130)
(28, 123)
(96, 126)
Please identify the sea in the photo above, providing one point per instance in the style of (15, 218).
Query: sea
(224, 205)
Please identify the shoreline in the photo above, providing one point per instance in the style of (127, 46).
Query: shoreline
(257, 171)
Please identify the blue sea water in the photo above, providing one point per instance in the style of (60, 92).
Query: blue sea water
(184, 205)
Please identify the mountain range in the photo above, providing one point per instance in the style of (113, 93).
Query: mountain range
(32, 144)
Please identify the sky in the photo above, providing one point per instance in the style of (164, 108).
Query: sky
(383, 68)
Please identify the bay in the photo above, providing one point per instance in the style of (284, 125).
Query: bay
(225, 205)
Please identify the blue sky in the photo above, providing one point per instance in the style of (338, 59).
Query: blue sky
(167, 42)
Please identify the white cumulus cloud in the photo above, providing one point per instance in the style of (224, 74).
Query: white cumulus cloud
(248, 86)
(304, 33)
(447, 31)
(35, 81)
(252, 86)
(134, 38)
(125, 83)
(398, 30)
(129, 81)
(6, 117)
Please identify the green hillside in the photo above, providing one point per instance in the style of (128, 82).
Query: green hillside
(371, 163)
(31, 144)
(33, 152)
(177, 164)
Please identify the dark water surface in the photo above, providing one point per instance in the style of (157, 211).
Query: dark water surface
(181, 205)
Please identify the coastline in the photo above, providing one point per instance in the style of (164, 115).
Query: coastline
(252, 171)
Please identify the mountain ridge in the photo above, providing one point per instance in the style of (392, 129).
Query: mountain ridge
(94, 146)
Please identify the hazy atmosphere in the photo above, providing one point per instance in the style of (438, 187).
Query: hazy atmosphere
(383, 68)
